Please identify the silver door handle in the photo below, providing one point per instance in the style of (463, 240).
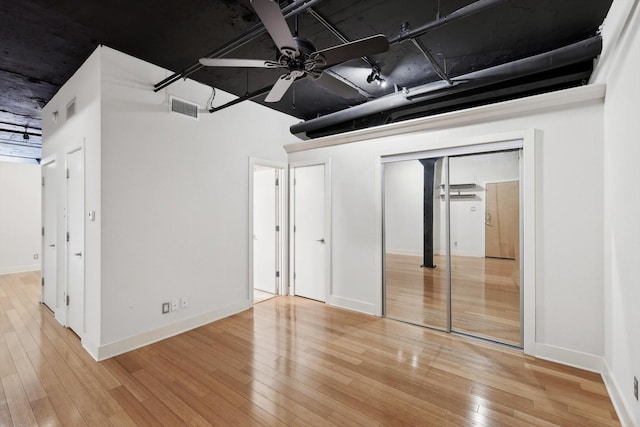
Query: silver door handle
(320, 240)
(78, 254)
(52, 246)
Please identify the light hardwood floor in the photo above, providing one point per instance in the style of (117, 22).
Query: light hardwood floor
(287, 361)
(259, 296)
(485, 295)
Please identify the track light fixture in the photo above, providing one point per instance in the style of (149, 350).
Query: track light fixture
(25, 135)
(375, 76)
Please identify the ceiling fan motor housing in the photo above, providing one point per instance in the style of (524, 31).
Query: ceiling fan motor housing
(306, 61)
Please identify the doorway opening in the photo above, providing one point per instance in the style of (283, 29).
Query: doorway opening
(267, 219)
(452, 242)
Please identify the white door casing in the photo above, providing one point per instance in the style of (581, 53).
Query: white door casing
(50, 235)
(75, 241)
(310, 236)
(265, 203)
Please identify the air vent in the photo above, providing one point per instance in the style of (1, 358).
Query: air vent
(71, 109)
(184, 108)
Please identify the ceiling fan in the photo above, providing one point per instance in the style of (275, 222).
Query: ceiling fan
(298, 56)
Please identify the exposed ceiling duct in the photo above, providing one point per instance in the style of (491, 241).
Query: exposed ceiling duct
(566, 56)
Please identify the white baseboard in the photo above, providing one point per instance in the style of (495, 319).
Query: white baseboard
(19, 269)
(355, 305)
(565, 356)
(140, 340)
(620, 405)
(404, 252)
(92, 348)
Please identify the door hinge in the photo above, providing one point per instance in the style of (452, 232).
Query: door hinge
(67, 299)
(277, 274)
(43, 181)
(67, 236)
(277, 182)
(67, 173)
(294, 181)
(294, 228)
(43, 282)
(277, 228)
(294, 275)
(43, 231)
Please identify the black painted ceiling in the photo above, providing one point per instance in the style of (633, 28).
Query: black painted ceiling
(43, 42)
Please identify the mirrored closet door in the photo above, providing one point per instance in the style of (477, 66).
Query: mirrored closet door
(452, 242)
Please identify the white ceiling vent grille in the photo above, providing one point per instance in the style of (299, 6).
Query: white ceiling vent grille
(183, 107)
(71, 108)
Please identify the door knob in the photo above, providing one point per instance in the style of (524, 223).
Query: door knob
(320, 240)
(78, 254)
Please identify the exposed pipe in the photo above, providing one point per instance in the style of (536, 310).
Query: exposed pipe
(463, 12)
(557, 58)
(257, 30)
(242, 98)
(21, 132)
(420, 110)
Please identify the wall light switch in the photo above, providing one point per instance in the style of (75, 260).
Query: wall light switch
(174, 305)
(184, 302)
(92, 215)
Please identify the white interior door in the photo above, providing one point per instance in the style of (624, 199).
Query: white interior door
(265, 198)
(49, 239)
(75, 239)
(309, 230)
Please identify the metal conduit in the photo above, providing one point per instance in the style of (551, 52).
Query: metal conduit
(557, 58)
(463, 12)
(257, 30)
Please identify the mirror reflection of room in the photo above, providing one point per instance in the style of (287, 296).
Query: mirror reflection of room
(455, 266)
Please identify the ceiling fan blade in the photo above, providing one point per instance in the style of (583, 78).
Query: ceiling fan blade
(336, 85)
(246, 63)
(273, 20)
(282, 85)
(363, 47)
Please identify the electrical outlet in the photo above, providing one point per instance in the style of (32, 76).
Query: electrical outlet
(184, 302)
(35, 256)
(166, 307)
(174, 305)
(635, 387)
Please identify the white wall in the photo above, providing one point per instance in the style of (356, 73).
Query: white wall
(175, 202)
(568, 288)
(622, 220)
(19, 217)
(170, 195)
(60, 137)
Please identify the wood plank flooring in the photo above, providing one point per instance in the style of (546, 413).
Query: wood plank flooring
(287, 361)
(485, 295)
